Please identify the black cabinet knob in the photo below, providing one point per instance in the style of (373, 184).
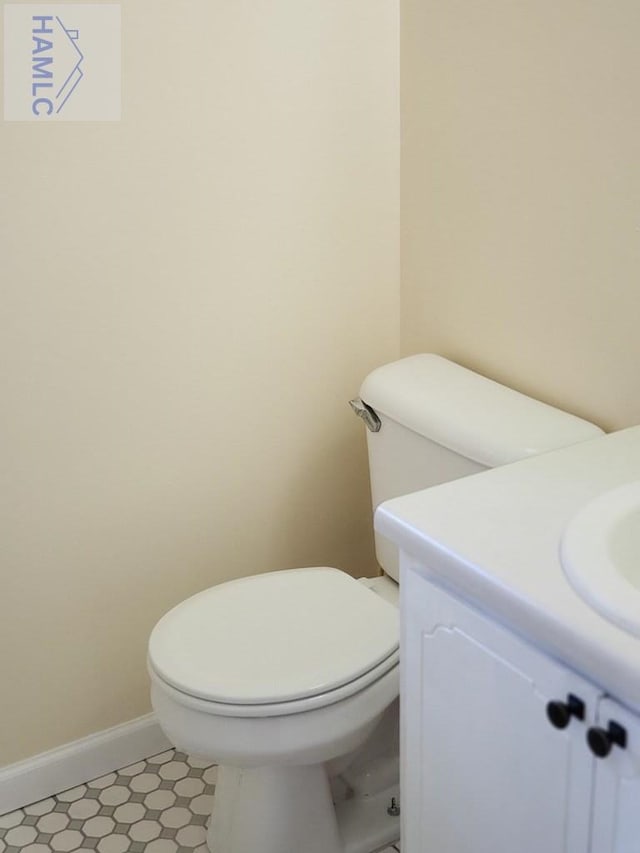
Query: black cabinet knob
(560, 713)
(602, 740)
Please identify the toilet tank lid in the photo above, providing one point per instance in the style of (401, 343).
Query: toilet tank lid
(468, 413)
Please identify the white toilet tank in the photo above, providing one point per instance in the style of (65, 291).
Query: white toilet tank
(439, 421)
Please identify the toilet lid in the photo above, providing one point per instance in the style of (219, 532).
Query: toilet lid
(274, 637)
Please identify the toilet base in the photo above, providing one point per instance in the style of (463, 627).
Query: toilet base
(290, 810)
(273, 810)
(365, 824)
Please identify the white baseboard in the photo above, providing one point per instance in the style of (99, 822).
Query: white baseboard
(80, 761)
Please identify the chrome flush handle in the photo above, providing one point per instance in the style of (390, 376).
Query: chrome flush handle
(366, 413)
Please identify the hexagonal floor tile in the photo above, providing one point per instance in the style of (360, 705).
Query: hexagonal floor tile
(66, 841)
(11, 819)
(161, 845)
(113, 844)
(191, 836)
(174, 770)
(211, 775)
(145, 830)
(72, 794)
(98, 827)
(133, 769)
(162, 757)
(53, 822)
(83, 809)
(175, 817)
(145, 782)
(202, 805)
(129, 813)
(194, 761)
(114, 795)
(41, 807)
(189, 787)
(20, 836)
(103, 781)
(160, 800)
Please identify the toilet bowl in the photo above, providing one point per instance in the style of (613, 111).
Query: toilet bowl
(288, 679)
(305, 681)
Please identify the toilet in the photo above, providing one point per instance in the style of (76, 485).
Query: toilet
(288, 680)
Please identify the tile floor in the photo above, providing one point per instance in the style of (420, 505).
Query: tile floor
(160, 805)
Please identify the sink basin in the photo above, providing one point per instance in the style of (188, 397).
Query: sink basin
(600, 554)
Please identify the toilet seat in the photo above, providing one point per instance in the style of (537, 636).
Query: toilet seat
(276, 643)
(387, 669)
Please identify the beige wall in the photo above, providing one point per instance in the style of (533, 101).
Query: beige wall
(521, 195)
(190, 297)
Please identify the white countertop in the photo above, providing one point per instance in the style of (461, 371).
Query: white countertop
(494, 538)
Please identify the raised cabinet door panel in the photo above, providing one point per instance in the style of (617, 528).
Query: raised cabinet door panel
(616, 812)
(487, 771)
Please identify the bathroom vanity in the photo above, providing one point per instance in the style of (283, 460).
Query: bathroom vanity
(520, 701)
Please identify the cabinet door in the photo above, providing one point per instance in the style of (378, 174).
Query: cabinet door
(484, 769)
(616, 812)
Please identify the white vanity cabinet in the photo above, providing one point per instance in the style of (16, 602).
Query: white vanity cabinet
(494, 741)
(616, 797)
